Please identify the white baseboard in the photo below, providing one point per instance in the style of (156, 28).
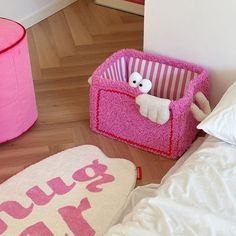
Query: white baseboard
(123, 5)
(44, 12)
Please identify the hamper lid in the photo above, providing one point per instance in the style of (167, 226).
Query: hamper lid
(11, 33)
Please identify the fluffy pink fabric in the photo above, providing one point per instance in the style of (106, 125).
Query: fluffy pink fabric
(17, 100)
(114, 113)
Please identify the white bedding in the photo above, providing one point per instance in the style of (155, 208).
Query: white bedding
(199, 198)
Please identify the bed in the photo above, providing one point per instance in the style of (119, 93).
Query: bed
(198, 196)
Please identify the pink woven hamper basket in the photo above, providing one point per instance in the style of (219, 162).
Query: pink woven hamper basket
(17, 99)
(114, 113)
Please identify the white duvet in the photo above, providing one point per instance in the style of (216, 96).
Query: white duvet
(199, 198)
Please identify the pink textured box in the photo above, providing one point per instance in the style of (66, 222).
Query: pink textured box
(114, 113)
(17, 99)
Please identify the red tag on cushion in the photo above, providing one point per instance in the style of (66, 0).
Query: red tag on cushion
(139, 172)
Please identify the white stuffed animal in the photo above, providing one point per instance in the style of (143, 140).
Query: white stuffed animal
(154, 108)
(157, 109)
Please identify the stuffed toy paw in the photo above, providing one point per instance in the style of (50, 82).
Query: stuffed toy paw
(90, 80)
(201, 107)
(136, 80)
(154, 108)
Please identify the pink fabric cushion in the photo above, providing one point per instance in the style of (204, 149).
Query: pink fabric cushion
(10, 34)
(17, 100)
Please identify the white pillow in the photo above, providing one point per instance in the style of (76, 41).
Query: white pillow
(221, 122)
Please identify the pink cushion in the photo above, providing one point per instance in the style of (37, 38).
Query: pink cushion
(17, 99)
(10, 33)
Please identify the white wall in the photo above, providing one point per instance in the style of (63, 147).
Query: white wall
(200, 31)
(29, 12)
(123, 5)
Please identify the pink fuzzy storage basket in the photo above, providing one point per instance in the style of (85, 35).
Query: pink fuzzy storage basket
(114, 113)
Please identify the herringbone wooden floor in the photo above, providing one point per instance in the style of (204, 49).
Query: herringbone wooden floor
(65, 49)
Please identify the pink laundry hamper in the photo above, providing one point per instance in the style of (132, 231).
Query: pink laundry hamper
(17, 99)
(114, 113)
